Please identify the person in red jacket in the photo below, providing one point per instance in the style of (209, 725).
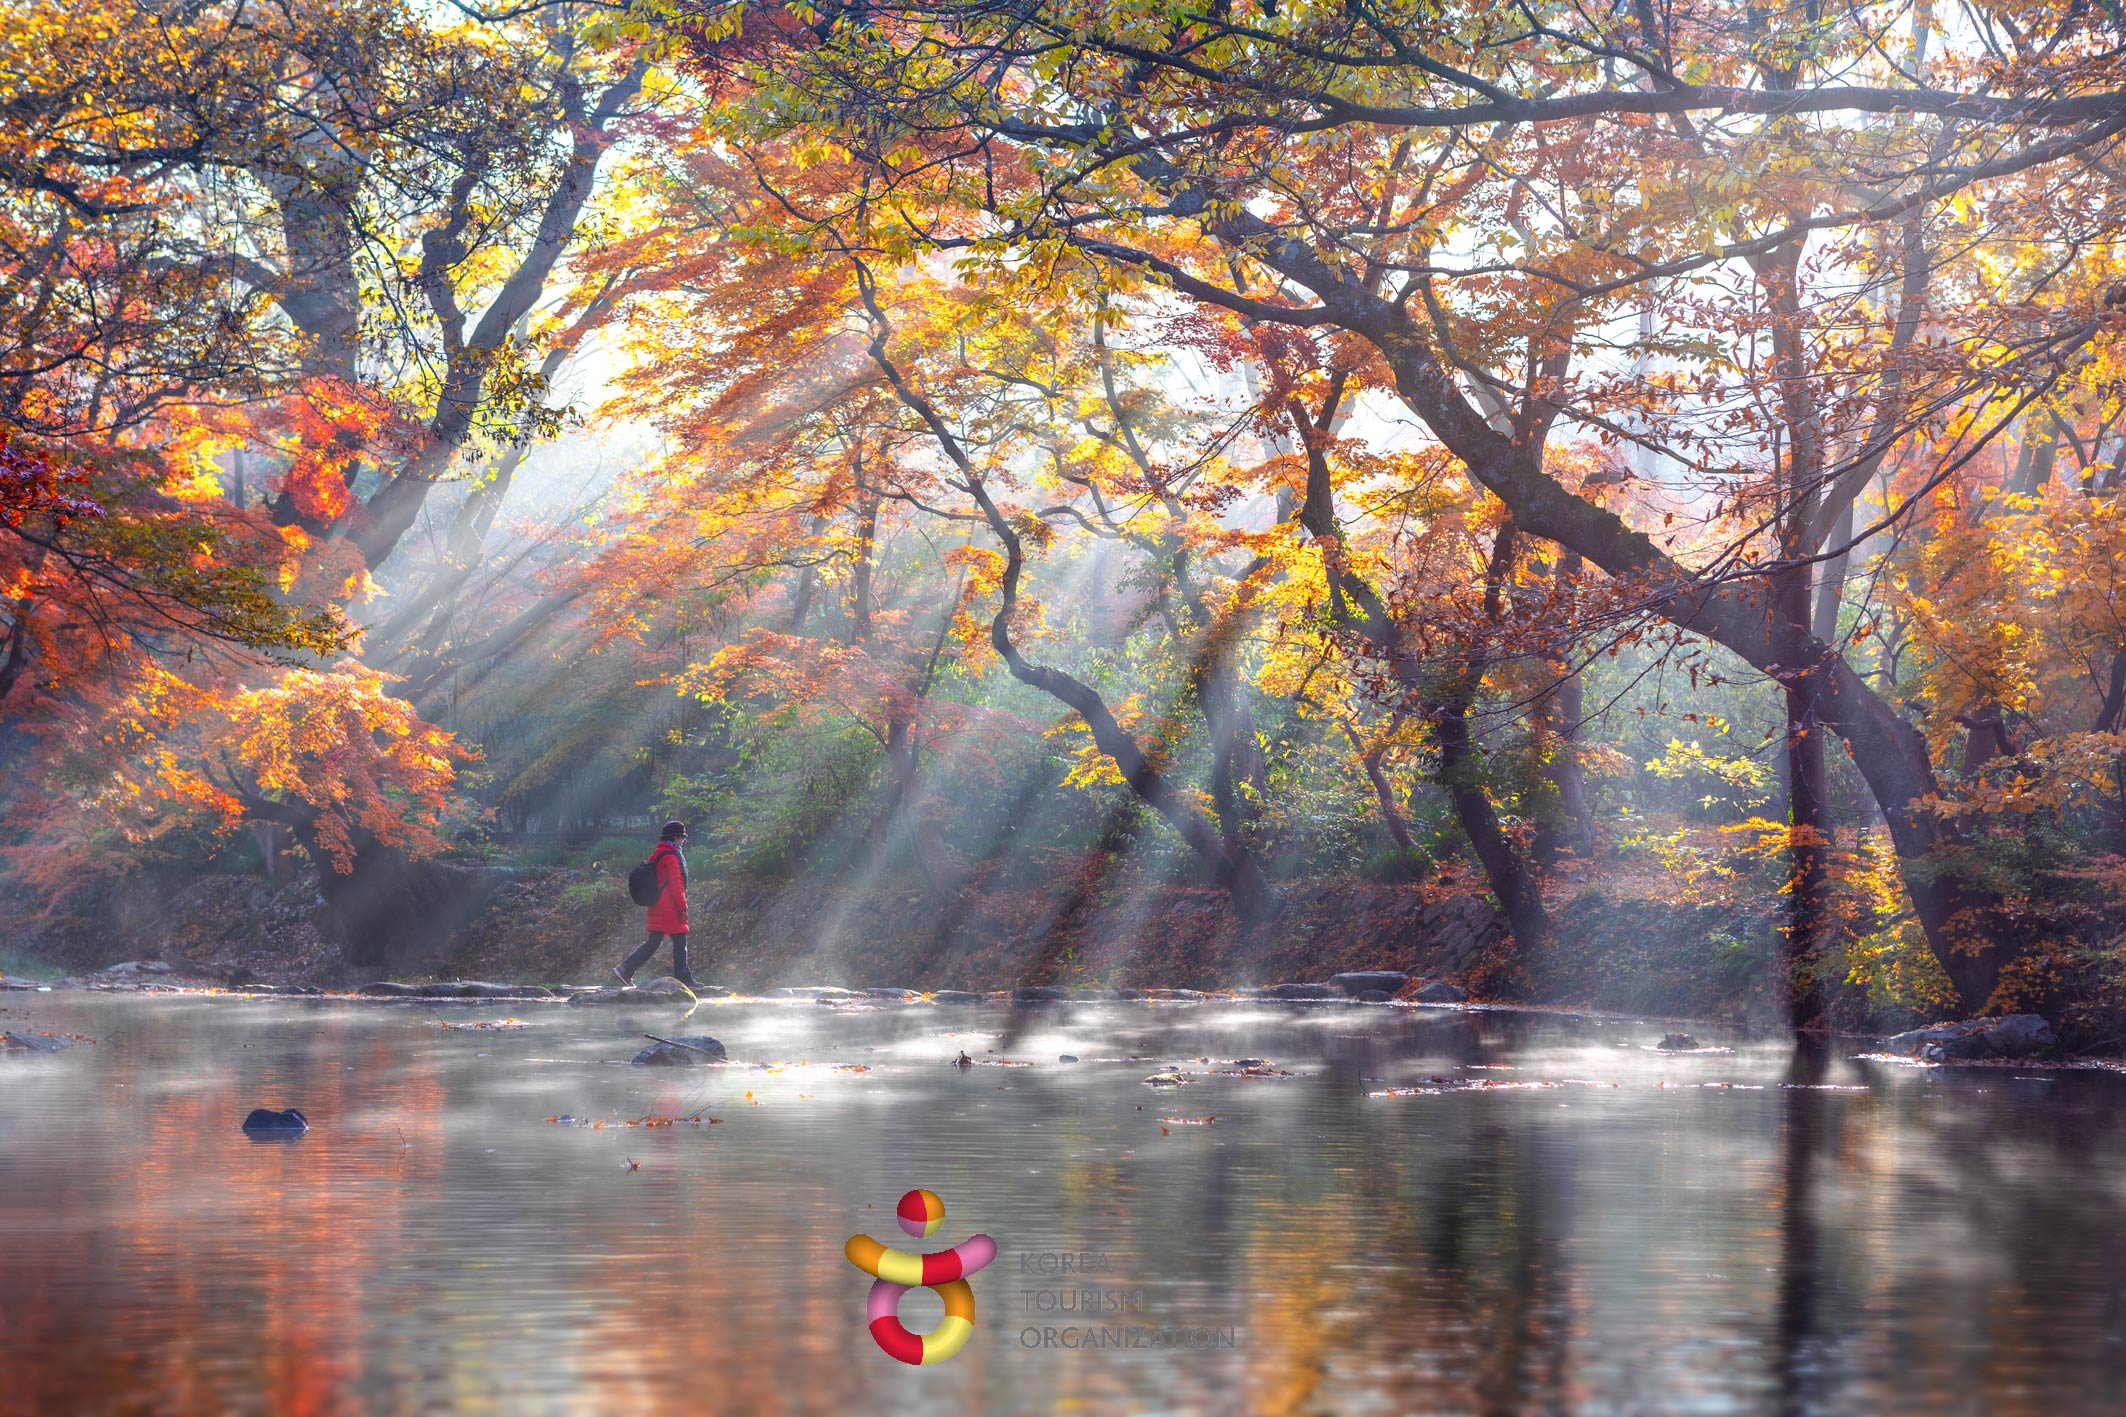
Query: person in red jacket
(669, 915)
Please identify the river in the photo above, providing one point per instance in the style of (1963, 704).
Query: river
(1407, 1211)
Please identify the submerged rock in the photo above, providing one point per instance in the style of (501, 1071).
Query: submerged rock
(1165, 1080)
(266, 1121)
(2016, 1036)
(680, 1051)
(32, 1043)
(1439, 991)
(1360, 982)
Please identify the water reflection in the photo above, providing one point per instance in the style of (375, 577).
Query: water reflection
(1777, 1230)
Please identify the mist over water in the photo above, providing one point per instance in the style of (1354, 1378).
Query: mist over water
(1744, 1232)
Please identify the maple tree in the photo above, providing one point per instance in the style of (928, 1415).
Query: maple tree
(270, 273)
(1444, 184)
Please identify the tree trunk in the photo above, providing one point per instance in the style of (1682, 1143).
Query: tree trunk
(1570, 826)
(910, 804)
(1460, 773)
(1391, 812)
(1810, 914)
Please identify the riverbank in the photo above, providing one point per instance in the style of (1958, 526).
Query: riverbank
(1618, 945)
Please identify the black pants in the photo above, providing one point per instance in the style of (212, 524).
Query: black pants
(648, 947)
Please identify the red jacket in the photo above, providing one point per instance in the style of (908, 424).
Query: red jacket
(669, 915)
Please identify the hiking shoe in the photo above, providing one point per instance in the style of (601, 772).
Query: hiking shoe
(688, 980)
(627, 981)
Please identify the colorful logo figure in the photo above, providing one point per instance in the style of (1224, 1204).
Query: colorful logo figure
(920, 1213)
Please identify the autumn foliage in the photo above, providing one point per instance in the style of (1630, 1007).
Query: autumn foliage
(1243, 446)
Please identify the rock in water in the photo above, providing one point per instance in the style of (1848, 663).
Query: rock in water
(955, 996)
(470, 989)
(1439, 991)
(629, 995)
(2016, 1036)
(1028, 995)
(1358, 982)
(1376, 996)
(267, 1122)
(1677, 1043)
(390, 989)
(686, 1051)
(32, 1043)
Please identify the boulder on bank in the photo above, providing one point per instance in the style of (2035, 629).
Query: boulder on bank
(1439, 991)
(134, 970)
(690, 1050)
(1297, 993)
(390, 989)
(2016, 1036)
(1360, 982)
(264, 1121)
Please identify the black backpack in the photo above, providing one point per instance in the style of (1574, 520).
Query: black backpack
(642, 883)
